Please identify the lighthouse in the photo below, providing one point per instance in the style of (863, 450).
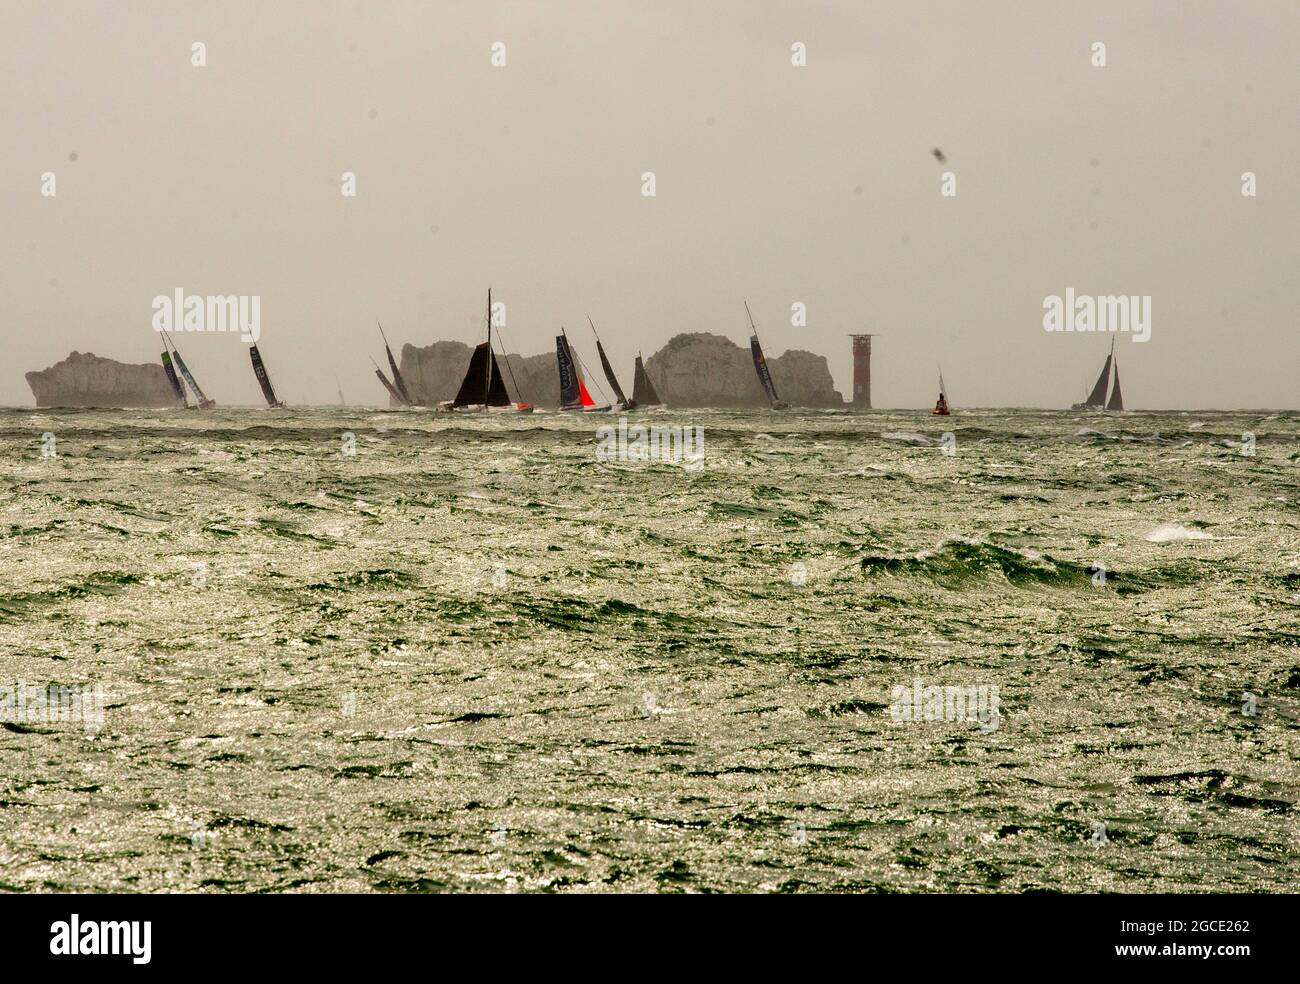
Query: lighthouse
(861, 372)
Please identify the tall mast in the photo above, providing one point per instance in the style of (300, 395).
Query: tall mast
(751, 319)
(487, 378)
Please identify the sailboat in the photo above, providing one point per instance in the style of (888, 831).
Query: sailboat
(760, 366)
(342, 402)
(623, 402)
(177, 389)
(398, 389)
(643, 391)
(941, 406)
(573, 391)
(263, 380)
(1096, 400)
(204, 402)
(392, 391)
(483, 387)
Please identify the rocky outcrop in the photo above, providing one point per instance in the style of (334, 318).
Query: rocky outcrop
(704, 370)
(692, 370)
(86, 380)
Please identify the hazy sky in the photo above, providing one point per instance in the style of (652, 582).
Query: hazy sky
(775, 183)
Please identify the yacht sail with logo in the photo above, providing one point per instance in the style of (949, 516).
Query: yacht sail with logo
(573, 390)
(203, 402)
(263, 378)
(761, 367)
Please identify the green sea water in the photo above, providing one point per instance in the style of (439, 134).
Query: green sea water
(473, 656)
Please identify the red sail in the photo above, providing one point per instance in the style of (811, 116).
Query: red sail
(587, 401)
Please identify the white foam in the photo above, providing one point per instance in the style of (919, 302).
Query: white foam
(1169, 532)
(908, 436)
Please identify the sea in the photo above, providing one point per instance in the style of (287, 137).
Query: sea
(359, 650)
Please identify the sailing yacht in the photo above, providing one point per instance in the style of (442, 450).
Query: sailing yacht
(643, 391)
(204, 402)
(483, 389)
(623, 402)
(941, 408)
(1096, 400)
(398, 387)
(264, 380)
(760, 366)
(573, 391)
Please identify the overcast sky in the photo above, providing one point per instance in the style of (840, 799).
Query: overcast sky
(775, 183)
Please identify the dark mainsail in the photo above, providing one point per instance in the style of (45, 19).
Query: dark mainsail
(643, 391)
(1097, 398)
(760, 363)
(387, 385)
(570, 394)
(263, 379)
(177, 389)
(609, 372)
(764, 373)
(402, 395)
(1116, 400)
(483, 383)
(189, 377)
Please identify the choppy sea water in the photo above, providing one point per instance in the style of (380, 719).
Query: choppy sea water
(474, 657)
